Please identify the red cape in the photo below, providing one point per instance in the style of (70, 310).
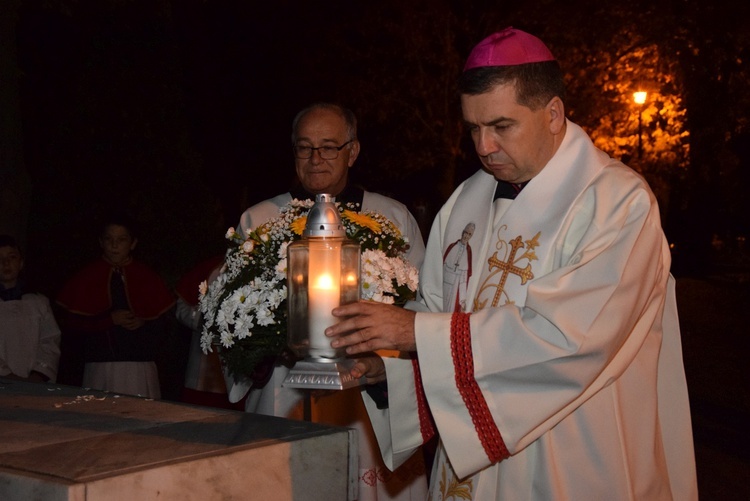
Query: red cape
(87, 293)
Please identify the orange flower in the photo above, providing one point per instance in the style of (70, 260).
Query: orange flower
(298, 225)
(362, 220)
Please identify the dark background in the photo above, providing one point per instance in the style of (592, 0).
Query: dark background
(180, 111)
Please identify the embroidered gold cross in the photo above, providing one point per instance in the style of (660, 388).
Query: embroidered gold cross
(508, 267)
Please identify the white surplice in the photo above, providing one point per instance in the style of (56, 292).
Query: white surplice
(340, 408)
(565, 379)
(29, 337)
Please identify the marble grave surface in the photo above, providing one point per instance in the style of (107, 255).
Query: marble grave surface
(67, 443)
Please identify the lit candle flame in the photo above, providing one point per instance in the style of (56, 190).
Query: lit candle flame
(324, 281)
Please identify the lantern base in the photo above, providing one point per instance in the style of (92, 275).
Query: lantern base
(322, 374)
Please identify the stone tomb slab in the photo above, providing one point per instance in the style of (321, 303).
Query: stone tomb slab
(67, 443)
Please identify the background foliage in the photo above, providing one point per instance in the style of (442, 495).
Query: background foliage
(181, 110)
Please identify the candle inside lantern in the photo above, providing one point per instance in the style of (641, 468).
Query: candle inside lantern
(325, 295)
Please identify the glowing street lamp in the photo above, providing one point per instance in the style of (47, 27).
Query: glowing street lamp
(640, 98)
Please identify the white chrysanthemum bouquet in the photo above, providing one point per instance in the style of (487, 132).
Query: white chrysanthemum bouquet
(387, 279)
(245, 311)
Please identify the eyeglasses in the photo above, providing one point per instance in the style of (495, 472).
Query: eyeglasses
(304, 152)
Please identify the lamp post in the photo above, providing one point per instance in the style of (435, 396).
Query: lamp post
(322, 273)
(640, 98)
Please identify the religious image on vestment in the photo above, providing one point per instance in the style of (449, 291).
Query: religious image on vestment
(457, 271)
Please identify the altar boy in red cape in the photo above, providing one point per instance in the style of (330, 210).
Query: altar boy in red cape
(116, 308)
(563, 379)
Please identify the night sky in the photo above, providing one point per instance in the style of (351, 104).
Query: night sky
(177, 112)
(180, 111)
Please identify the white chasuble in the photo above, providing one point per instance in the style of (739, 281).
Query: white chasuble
(544, 384)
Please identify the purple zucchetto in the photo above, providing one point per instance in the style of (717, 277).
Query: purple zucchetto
(508, 47)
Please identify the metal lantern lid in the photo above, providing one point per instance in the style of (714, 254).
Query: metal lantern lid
(324, 220)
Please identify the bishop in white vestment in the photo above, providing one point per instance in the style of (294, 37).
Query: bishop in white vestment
(563, 378)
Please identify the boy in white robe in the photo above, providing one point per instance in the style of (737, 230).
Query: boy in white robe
(563, 379)
(29, 334)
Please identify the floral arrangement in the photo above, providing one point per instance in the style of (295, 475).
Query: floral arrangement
(244, 309)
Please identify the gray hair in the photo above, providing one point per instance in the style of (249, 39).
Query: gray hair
(345, 113)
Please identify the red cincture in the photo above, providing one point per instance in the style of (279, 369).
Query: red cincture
(463, 362)
(426, 424)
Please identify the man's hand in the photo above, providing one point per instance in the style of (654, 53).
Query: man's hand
(371, 367)
(368, 326)
(126, 319)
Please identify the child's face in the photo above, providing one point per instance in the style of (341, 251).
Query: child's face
(117, 243)
(11, 265)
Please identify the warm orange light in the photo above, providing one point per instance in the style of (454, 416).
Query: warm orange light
(324, 282)
(351, 279)
(639, 97)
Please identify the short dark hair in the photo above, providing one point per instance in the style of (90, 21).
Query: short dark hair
(119, 219)
(348, 115)
(536, 83)
(8, 241)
